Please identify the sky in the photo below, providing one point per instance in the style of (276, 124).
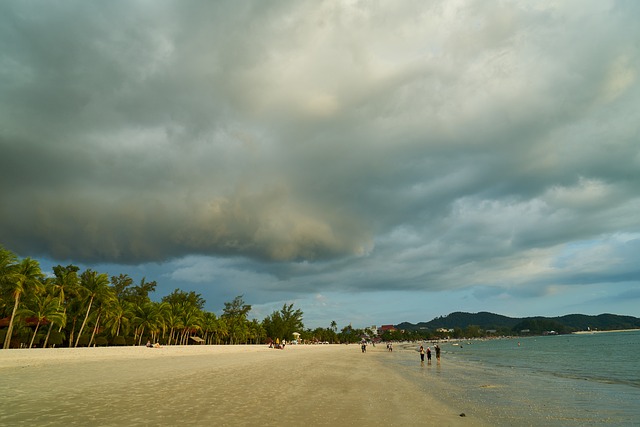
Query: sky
(369, 162)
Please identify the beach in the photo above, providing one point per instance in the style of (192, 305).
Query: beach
(314, 385)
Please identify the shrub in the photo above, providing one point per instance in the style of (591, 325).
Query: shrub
(55, 338)
(84, 341)
(119, 340)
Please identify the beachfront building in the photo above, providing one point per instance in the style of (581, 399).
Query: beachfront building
(387, 328)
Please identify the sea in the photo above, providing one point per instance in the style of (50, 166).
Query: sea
(556, 380)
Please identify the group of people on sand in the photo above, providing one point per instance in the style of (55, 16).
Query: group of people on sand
(277, 344)
(428, 353)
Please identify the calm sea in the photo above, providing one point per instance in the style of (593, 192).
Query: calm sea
(561, 380)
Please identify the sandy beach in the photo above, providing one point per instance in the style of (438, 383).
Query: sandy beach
(313, 385)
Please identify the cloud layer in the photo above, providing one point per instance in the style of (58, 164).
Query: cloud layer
(327, 145)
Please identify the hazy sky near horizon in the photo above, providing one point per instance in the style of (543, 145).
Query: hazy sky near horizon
(370, 162)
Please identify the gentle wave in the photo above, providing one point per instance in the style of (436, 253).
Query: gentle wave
(565, 380)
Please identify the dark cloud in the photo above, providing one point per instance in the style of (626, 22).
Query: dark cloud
(322, 146)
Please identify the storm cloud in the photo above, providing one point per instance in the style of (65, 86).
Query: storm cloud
(323, 146)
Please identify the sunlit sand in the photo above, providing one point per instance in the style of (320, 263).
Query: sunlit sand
(225, 385)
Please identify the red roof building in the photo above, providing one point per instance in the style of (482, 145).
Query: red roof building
(387, 328)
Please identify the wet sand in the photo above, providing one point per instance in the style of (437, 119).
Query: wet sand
(223, 385)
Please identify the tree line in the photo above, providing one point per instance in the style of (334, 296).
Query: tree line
(76, 308)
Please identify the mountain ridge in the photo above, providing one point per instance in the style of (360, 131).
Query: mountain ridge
(492, 321)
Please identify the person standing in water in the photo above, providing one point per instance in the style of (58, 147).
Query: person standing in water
(429, 355)
(422, 354)
(437, 347)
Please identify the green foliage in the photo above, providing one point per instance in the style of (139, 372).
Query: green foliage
(473, 324)
(605, 321)
(483, 320)
(118, 340)
(7, 262)
(317, 335)
(20, 280)
(83, 341)
(473, 331)
(540, 325)
(121, 285)
(55, 338)
(179, 297)
(102, 341)
(350, 335)
(94, 288)
(65, 283)
(282, 324)
(235, 315)
(236, 309)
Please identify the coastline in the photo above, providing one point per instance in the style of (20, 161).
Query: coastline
(604, 332)
(229, 385)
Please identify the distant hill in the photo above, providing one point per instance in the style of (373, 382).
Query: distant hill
(459, 319)
(538, 324)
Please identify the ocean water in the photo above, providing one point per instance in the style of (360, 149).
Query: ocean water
(560, 380)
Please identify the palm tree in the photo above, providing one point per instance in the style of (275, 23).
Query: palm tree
(103, 299)
(118, 316)
(172, 316)
(146, 318)
(20, 279)
(221, 330)
(334, 326)
(93, 285)
(256, 331)
(192, 321)
(235, 315)
(208, 326)
(240, 331)
(7, 260)
(74, 310)
(45, 309)
(164, 311)
(64, 283)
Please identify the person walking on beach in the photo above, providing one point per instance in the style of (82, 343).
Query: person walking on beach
(437, 347)
(422, 354)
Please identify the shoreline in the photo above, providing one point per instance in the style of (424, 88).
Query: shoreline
(229, 385)
(604, 332)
